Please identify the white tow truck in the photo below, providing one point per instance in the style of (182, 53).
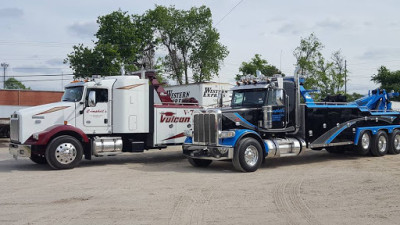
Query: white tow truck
(100, 117)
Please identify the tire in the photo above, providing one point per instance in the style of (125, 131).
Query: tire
(38, 159)
(380, 144)
(199, 162)
(248, 155)
(364, 143)
(64, 152)
(394, 142)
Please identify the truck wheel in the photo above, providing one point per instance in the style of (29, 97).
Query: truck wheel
(248, 155)
(64, 152)
(364, 143)
(380, 144)
(394, 142)
(199, 162)
(38, 159)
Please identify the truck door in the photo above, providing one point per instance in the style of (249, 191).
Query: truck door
(278, 100)
(97, 112)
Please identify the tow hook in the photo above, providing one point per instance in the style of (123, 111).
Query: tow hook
(200, 152)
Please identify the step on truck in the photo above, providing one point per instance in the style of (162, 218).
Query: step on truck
(268, 119)
(100, 117)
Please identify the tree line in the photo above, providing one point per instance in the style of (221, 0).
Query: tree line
(184, 45)
(190, 43)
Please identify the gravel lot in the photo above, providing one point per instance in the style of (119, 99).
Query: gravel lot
(160, 187)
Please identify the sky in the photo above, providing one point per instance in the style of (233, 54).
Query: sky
(36, 36)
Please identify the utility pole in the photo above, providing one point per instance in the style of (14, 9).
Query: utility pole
(4, 65)
(345, 77)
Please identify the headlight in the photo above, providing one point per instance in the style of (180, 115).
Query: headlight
(188, 133)
(227, 134)
(35, 136)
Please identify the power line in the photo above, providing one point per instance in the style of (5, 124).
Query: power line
(41, 75)
(39, 43)
(229, 12)
(379, 62)
(38, 68)
(61, 44)
(36, 42)
(41, 80)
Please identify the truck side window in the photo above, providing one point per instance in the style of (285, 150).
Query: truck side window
(238, 98)
(101, 94)
(276, 97)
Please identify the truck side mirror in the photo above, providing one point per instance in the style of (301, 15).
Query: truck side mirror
(92, 99)
(280, 97)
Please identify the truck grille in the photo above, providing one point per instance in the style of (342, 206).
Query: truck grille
(14, 128)
(205, 129)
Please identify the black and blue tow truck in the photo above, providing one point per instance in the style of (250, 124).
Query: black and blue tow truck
(267, 119)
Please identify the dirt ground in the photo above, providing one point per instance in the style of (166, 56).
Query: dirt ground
(160, 187)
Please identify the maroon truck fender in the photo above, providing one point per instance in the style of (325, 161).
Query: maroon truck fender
(56, 130)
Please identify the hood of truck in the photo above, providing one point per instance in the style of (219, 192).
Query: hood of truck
(36, 119)
(240, 118)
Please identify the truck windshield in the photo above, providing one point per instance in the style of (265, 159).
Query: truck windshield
(72, 94)
(248, 98)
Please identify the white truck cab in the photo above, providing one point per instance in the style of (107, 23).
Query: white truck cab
(103, 116)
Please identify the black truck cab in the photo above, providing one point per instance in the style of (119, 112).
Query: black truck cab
(267, 119)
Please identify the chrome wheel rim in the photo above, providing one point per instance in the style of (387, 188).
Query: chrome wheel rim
(365, 140)
(251, 155)
(382, 142)
(397, 142)
(65, 153)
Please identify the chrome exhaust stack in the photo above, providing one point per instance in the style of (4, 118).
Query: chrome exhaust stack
(297, 104)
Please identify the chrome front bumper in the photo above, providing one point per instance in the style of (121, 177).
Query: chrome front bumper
(18, 150)
(208, 152)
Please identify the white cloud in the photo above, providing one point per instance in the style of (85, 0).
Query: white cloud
(365, 35)
(36, 69)
(290, 28)
(83, 29)
(330, 23)
(55, 62)
(11, 13)
(381, 54)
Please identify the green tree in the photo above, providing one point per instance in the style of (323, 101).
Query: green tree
(131, 36)
(388, 80)
(353, 97)
(12, 83)
(207, 56)
(188, 36)
(308, 55)
(324, 75)
(123, 40)
(337, 72)
(131, 41)
(257, 63)
(101, 60)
